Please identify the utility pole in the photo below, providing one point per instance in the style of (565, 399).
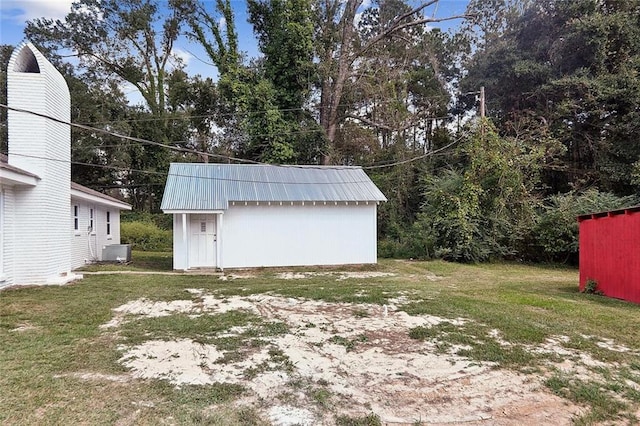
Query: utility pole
(482, 102)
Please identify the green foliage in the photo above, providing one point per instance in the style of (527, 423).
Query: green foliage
(484, 210)
(370, 419)
(145, 236)
(555, 234)
(573, 66)
(591, 286)
(161, 220)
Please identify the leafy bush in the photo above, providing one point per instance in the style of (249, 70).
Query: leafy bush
(161, 220)
(591, 287)
(145, 236)
(484, 208)
(555, 234)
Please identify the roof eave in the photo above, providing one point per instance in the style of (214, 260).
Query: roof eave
(99, 200)
(192, 211)
(15, 178)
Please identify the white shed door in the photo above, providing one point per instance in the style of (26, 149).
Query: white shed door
(202, 241)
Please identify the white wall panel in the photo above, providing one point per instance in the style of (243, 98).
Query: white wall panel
(85, 246)
(8, 236)
(40, 146)
(180, 248)
(288, 235)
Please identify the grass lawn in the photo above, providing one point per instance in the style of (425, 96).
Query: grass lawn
(59, 364)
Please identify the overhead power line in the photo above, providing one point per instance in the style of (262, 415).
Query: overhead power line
(130, 138)
(201, 153)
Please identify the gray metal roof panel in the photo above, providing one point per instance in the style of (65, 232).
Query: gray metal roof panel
(199, 186)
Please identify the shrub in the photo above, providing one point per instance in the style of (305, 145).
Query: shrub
(145, 236)
(591, 287)
(555, 234)
(161, 220)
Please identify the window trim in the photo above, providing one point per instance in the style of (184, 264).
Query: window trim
(76, 219)
(91, 221)
(108, 223)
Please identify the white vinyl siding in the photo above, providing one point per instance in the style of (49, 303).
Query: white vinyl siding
(8, 236)
(274, 235)
(76, 218)
(299, 235)
(87, 247)
(2, 237)
(42, 147)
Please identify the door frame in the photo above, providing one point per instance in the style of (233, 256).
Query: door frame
(184, 218)
(202, 226)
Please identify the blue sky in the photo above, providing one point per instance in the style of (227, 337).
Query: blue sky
(15, 13)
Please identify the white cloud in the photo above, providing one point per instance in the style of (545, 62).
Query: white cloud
(24, 10)
(182, 55)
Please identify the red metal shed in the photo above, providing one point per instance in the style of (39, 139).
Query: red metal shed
(610, 252)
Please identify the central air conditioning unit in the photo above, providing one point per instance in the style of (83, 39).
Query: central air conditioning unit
(116, 253)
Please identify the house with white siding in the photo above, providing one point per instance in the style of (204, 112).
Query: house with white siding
(239, 215)
(48, 225)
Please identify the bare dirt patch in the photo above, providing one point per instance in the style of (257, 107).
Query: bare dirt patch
(342, 359)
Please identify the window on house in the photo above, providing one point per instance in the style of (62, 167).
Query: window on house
(90, 220)
(108, 223)
(76, 219)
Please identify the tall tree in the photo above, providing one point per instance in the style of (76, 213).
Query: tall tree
(5, 55)
(571, 68)
(121, 38)
(126, 41)
(340, 48)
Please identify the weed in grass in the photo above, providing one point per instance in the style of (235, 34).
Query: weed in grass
(322, 382)
(321, 397)
(629, 374)
(366, 420)
(202, 395)
(203, 328)
(277, 356)
(360, 313)
(275, 328)
(474, 342)
(424, 333)
(278, 361)
(349, 344)
(286, 397)
(220, 416)
(598, 396)
(591, 287)
(230, 357)
(248, 416)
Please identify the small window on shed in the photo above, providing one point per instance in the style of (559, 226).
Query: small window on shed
(90, 220)
(203, 226)
(108, 223)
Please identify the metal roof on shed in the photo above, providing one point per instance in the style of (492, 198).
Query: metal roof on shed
(212, 186)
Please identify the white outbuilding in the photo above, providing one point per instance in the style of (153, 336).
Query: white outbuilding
(48, 225)
(239, 216)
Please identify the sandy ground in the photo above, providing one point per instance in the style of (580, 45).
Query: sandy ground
(383, 371)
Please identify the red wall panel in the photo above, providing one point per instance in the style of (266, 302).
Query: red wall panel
(610, 253)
